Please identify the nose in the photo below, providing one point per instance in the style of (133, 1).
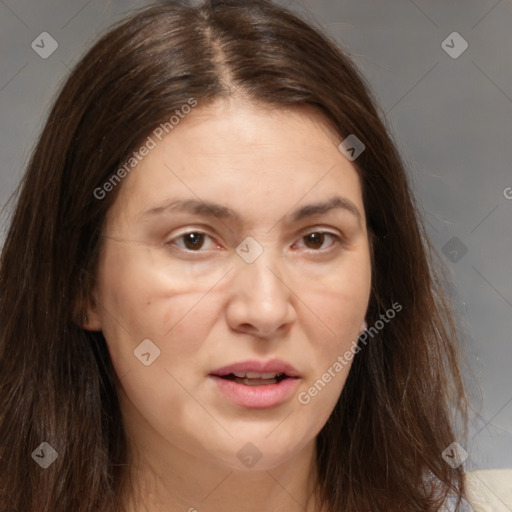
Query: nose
(260, 298)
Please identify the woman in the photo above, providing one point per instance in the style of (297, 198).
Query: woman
(216, 292)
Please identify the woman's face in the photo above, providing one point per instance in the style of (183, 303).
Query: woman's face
(221, 248)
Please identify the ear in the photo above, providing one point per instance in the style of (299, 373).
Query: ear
(91, 320)
(364, 326)
(87, 313)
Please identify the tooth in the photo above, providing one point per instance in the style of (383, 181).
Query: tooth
(239, 374)
(258, 382)
(256, 375)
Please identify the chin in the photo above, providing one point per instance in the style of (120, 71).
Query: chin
(257, 452)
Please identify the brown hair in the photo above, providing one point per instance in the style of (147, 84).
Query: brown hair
(381, 447)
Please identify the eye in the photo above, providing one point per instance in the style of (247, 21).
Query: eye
(315, 240)
(192, 240)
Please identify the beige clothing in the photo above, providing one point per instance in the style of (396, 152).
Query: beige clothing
(490, 490)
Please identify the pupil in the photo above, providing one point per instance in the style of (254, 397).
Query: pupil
(317, 239)
(194, 240)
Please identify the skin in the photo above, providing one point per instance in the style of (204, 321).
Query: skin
(302, 300)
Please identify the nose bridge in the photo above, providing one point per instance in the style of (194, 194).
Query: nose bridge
(261, 268)
(261, 298)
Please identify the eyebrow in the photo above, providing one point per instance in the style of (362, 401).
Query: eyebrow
(209, 209)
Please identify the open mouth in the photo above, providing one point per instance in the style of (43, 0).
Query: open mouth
(257, 389)
(251, 379)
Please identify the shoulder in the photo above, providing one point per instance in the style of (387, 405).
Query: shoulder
(489, 490)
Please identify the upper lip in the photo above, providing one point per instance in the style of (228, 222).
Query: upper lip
(253, 365)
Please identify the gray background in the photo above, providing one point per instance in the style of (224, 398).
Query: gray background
(451, 118)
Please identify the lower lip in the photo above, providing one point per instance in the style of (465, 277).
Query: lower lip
(257, 397)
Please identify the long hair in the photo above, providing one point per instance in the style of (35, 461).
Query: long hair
(381, 448)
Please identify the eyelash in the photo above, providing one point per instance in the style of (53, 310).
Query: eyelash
(337, 240)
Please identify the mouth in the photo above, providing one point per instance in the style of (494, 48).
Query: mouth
(255, 379)
(254, 369)
(255, 384)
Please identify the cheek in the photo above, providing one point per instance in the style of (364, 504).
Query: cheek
(338, 300)
(140, 301)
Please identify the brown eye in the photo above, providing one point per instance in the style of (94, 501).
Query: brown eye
(193, 240)
(316, 239)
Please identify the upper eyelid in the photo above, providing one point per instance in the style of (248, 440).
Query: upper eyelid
(305, 231)
(308, 229)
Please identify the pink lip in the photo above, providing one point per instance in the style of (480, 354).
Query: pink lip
(257, 397)
(253, 365)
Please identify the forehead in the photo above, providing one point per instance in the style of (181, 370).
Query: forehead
(241, 154)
